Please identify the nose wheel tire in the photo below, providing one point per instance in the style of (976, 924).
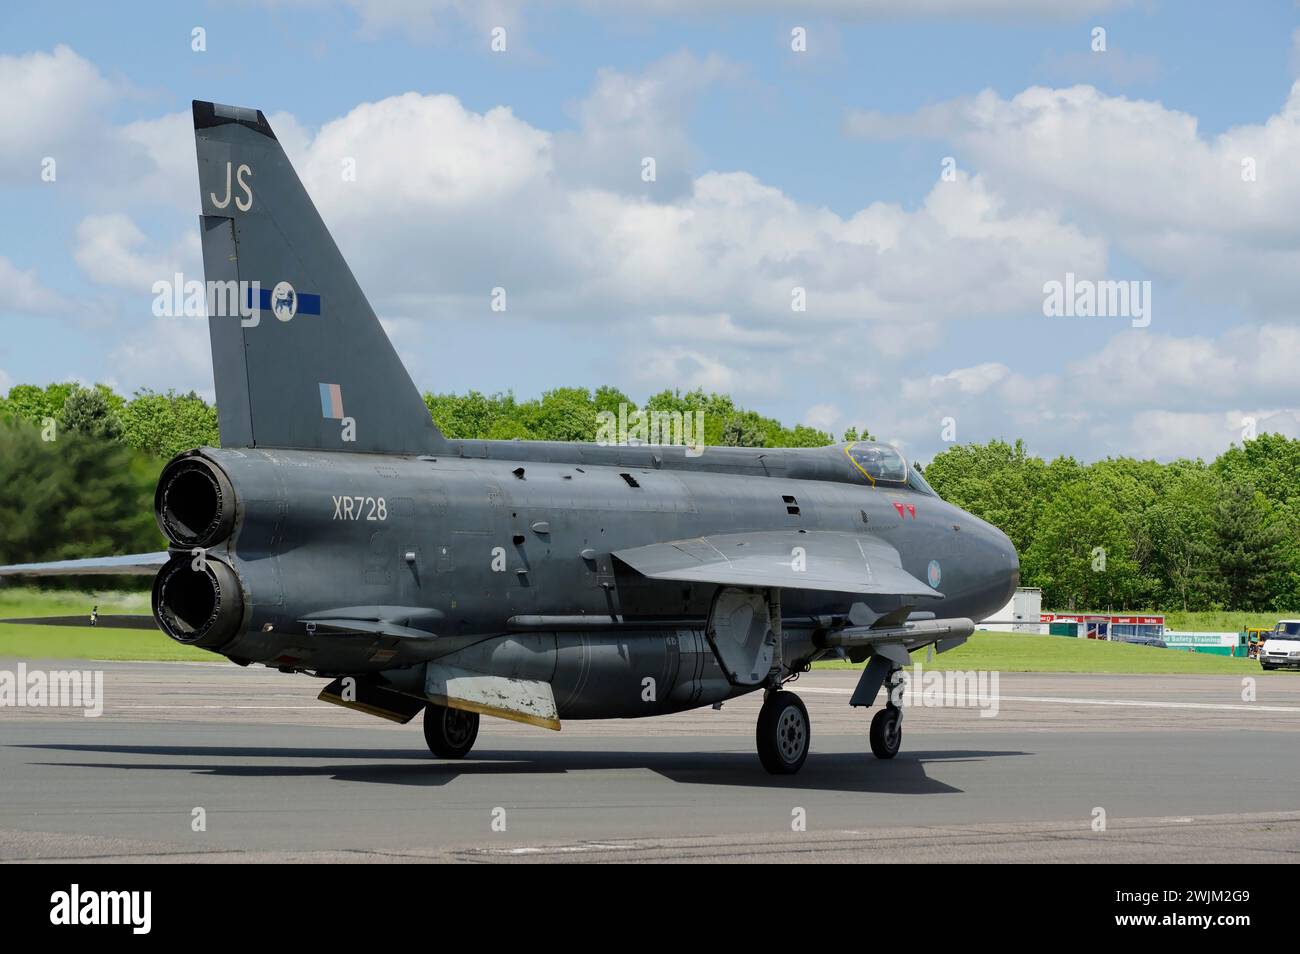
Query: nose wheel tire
(784, 733)
(449, 733)
(886, 733)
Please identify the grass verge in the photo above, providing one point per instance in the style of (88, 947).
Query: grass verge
(1005, 652)
(1023, 652)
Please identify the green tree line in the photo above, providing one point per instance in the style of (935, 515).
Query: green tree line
(1125, 533)
(570, 414)
(78, 466)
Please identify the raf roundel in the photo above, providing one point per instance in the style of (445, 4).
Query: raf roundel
(284, 301)
(933, 574)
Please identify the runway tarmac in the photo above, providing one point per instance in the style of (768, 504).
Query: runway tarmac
(1183, 767)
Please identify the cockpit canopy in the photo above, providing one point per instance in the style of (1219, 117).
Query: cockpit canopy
(866, 463)
(883, 464)
(879, 462)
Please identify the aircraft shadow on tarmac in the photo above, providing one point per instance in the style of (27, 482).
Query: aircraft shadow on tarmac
(837, 772)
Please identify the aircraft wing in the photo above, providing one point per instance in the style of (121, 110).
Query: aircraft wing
(791, 559)
(134, 564)
(102, 621)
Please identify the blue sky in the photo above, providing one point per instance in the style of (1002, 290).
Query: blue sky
(819, 169)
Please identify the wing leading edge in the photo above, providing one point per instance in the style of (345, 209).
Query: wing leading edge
(133, 564)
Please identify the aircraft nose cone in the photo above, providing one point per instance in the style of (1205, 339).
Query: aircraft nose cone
(1010, 561)
(1003, 563)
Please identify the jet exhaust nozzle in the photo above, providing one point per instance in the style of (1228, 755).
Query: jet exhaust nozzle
(194, 503)
(198, 602)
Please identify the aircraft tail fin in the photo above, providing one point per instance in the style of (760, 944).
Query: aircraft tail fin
(299, 357)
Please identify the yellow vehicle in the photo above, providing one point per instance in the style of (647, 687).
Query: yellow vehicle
(1255, 637)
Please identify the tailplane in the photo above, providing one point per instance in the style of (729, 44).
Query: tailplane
(298, 356)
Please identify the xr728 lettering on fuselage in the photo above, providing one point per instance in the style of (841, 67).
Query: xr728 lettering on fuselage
(360, 508)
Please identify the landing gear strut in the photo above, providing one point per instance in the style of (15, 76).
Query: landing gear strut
(449, 733)
(784, 732)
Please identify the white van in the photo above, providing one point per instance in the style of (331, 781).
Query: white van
(1281, 647)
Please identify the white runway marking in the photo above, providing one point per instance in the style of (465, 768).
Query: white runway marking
(1144, 704)
(561, 849)
(1136, 703)
(321, 708)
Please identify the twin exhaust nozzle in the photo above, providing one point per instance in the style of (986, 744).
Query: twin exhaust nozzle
(194, 503)
(197, 600)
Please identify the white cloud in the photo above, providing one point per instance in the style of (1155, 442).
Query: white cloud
(22, 292)
(58, 105)
(1142, 394)
(1169, 434)
(628, 118)
(112, 250)
(1181, 203)
(50, 102)
(974, 380)
(423, 154)
(164, 170)
(1195, 370)
(899, 339)
(718, 329)
(824, 417)
(687, 369)
(164, 352)
(449, 203)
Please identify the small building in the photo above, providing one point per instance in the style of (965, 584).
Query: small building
(1022, 614)
(1105, 625)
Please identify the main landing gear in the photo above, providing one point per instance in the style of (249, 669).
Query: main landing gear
(784, 730)
(449, 733)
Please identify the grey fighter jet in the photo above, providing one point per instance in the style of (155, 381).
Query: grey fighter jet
(336, 532)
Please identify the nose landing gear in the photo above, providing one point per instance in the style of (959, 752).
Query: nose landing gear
(887, 725)
(887, 732)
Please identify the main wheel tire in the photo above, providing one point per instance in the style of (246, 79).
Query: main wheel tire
(449, 733)
(784, 733)
(886, 733)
